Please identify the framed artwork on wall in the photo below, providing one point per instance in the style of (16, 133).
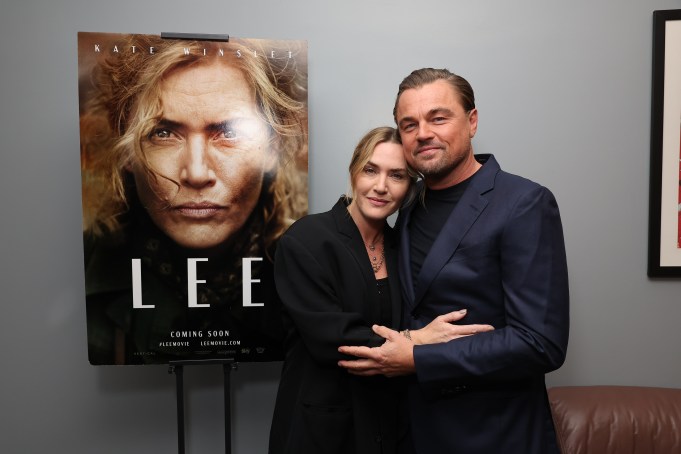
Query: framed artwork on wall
(664, 235)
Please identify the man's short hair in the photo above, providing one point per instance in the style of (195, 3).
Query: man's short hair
(424, 76)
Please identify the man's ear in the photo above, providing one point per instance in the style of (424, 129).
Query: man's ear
(473, 122)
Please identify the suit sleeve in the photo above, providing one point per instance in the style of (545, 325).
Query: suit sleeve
(534, 281)
(310, 294)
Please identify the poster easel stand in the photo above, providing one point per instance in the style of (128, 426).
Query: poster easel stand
(195, 36)
(177, 368)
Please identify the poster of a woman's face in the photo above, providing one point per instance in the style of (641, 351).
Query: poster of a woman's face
(211, 152)
(194, 162)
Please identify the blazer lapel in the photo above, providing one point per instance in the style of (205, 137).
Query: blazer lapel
(391, 257)
(467, 211)
(353, 241)
(355, 244)
(404, 256)
(350, 233)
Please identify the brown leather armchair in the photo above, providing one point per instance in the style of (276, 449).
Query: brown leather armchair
(617, 419)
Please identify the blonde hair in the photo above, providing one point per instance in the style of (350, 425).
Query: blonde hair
(365, 149)
(126, 107)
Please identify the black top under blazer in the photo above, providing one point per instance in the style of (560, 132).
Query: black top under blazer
(330, 298)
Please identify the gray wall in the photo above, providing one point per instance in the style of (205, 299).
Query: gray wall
(564, 98)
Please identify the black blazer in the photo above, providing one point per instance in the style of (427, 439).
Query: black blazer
(330, 298)
(501, 256)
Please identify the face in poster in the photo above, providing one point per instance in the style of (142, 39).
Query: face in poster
(194, 163)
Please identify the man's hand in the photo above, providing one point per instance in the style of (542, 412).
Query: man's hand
(394, 357)
(442, 329)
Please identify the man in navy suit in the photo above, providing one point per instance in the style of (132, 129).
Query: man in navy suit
(488, 242)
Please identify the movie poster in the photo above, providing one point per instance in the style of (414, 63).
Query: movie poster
(194, 163)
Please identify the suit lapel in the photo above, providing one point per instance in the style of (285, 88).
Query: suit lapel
(467, 211)
(404, 261)
(395, 291)
(460, 220)
(355, 244)
(353, 241)
(350, 234)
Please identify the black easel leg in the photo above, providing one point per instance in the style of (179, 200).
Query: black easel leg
(227, 369)
(176, 367)
(179, 385)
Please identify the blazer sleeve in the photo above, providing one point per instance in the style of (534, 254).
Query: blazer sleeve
(534, 281)
(310, 294)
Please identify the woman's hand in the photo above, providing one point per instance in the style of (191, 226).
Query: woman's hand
(443, 329)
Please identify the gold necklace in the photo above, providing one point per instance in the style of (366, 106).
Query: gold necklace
(375, 263)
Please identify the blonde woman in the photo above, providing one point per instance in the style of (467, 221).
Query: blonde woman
(336, 274)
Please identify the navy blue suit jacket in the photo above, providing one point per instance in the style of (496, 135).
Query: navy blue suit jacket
(501, 256)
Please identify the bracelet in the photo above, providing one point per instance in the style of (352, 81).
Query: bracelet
(407, 334)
